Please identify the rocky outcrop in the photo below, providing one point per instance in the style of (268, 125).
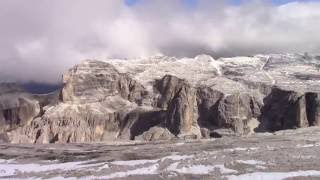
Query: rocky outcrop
(139, 121)
(162, 98)
(313, 108)
(208, 102)
(94, 81)
(287, 109)
(284, 110)
(95, 100)
(17, 108)
(179, 98)
(156, 133)
(237, 111)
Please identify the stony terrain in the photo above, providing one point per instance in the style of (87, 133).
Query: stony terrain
(290, 154)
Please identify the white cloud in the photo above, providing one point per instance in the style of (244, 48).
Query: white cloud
(40, 39)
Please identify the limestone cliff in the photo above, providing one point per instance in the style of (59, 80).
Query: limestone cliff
(160, 98)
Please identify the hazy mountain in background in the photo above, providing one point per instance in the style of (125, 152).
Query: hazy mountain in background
(40, 88)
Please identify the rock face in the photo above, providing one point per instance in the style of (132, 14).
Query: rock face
(161, 98)
(17, 108)
(179, 98)
(285, 110)
(236, 111)
(94, 81)
(313, 108)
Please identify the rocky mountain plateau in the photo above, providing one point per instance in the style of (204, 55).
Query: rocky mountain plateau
(166, 98)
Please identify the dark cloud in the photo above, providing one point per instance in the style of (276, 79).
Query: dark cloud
(40, 39)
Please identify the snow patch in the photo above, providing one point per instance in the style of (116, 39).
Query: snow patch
(64, 178)
(225, 170)
(199, 169)
(179, 144)
(177, 157)
(239, 149)
(253, 148)
(305, 146)
(261, 167)
(153, 169)
(251, 162)
(105, 166)
(274, 175)
(195, 169)
(9, 169)
(270, 148)
(3, 161)
(133, 162)
(145, 161)
(304, 157)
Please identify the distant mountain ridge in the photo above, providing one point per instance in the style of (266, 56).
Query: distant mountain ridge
(40, 88)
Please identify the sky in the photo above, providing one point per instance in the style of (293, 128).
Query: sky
(233, 2)
(41, 39)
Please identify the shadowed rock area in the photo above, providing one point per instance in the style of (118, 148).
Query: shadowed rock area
(164, 98)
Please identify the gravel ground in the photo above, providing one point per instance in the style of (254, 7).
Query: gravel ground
(290, 154)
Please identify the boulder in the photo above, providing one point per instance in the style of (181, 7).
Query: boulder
(156, 133)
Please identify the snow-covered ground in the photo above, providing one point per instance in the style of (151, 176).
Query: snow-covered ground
(287, 154)
(275, 175)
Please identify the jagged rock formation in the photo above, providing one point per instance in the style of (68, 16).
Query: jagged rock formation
(161, 98)
(19, 108)
(16, 107)
(179, 98)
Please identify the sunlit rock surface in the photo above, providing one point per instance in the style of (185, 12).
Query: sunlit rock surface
(167, 98)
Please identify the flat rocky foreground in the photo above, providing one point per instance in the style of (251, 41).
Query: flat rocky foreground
(290, 154)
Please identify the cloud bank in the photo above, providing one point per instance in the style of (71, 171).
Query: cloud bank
(40, 39)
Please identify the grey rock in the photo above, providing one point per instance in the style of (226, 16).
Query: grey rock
(313, 108)
(179, 98)
(17, 108)
(94, 81)
(95, 100)
(160, 98)
(156, 133)
(139, 121)
(218, 110)
(236, 111)
(208, 102)
(284, 110)
(205, 133)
